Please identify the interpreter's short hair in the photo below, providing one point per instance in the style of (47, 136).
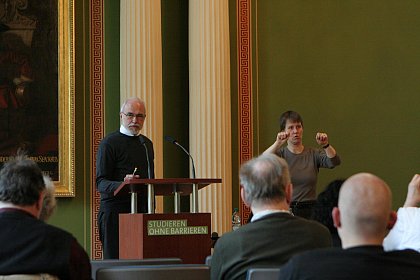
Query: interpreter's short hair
(264, 178)
(21, 181)
(291, 116)
(50, 203)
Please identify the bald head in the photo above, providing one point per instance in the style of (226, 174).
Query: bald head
(365, 208)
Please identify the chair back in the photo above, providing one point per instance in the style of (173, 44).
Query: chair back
(40, 276)
(98, 264)
(156, 272)
(263, 273)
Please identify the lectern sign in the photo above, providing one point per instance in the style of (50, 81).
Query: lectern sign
(173, 227)
(181, 235)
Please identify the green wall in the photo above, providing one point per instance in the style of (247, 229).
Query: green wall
(351, 68)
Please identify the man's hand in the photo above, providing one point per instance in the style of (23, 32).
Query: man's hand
(413, 193)
(130, 177)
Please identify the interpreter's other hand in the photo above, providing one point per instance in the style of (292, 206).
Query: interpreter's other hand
(321, 138)
(413, 193)
(130, 177)
(282, 137)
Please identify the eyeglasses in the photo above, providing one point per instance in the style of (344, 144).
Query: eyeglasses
(132, 116)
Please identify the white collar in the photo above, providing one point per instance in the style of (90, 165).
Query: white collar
(127, 132)
(264, 213)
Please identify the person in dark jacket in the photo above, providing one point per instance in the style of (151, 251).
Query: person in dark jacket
(274, 234)
(28, 244)
(325, 203)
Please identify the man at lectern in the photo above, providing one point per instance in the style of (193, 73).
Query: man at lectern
(122, 155)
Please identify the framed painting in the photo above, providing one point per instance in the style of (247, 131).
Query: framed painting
(37, 86)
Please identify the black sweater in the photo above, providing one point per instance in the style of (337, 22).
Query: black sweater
(118, 155)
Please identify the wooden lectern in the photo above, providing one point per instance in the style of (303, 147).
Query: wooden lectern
(182, 235)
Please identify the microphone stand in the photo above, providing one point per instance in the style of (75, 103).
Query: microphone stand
(194, 205)
(192, 160)
(150, 188)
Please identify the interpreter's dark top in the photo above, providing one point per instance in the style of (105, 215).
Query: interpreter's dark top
(30, 246)
(266, 242)
(364, 262)
(118, 155)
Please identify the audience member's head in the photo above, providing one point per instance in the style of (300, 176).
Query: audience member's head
(325, 203)
(264, 181)
(50, 203)
(364, 211)
(21, 183)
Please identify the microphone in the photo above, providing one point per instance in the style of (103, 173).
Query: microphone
(214, 236)
(143, 142)
(173, 141)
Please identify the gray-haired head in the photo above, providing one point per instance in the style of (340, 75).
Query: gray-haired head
(131, 100)
(264, 179)
(133, 115)
(21, 181)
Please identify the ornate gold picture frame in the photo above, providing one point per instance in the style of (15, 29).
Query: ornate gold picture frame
(37, 85)
(65, 184)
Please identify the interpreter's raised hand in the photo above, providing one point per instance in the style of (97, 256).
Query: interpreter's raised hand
(282, 137)
(413, 193)
(321, 138)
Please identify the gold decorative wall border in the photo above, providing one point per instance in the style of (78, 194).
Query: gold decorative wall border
(244, 45)
(97, 110)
